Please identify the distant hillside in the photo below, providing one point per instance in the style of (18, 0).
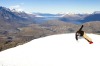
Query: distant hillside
(91, 17)
(8, 16)
(96, 12)
(59, 27)
(73, 18)
(10, 20)
(92, 27)
(81, 18)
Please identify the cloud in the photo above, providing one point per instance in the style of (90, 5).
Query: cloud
(17, 7)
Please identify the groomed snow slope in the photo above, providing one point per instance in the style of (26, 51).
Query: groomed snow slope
(56, 50)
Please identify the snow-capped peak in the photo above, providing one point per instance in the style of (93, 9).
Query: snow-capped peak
(15, 10)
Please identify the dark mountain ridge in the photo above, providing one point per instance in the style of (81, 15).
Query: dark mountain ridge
(91, 17)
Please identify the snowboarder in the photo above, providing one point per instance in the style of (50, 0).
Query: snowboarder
(81, 33)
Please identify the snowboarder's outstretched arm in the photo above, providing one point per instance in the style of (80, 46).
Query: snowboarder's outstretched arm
(80, 28)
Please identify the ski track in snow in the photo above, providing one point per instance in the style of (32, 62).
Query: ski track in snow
(55, 50)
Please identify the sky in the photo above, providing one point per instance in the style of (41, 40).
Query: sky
(53, 6)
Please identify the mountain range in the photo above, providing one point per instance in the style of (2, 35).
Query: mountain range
(20, 27)
(22, 17)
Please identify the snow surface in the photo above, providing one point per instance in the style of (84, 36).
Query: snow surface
(55, 50)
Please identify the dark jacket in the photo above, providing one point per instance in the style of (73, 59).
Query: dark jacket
(79, 33)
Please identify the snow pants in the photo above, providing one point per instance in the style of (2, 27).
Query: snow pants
(87, 37)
